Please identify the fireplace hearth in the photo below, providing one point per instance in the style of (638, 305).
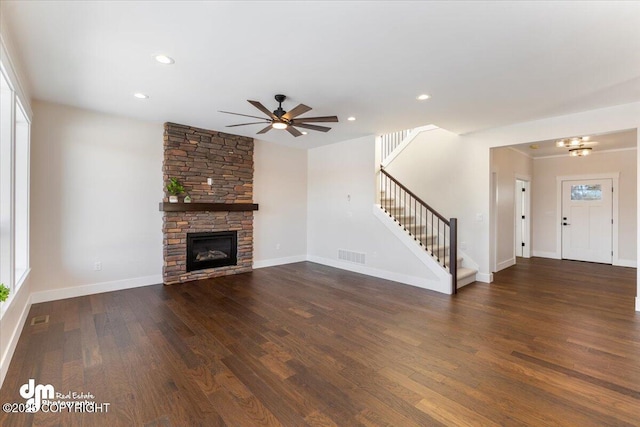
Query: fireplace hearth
(211, 250)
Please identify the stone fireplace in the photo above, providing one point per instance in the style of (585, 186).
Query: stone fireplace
(223, 208)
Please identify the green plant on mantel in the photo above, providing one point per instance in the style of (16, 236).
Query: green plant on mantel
(4, 292)
(174, 187)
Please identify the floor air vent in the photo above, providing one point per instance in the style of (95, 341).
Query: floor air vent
(40, 320)
(355, 257)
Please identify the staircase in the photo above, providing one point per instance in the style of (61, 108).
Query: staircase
(428, 229)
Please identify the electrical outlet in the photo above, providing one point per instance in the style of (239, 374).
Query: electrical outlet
(277, 246)
(97, 266)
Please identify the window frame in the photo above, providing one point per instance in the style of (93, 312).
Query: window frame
(13, 108)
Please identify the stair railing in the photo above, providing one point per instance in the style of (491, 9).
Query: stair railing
(390, 141)
(432, 230)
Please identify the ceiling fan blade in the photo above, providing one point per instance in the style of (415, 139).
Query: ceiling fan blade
(293, 131)
(313, 127)
(316, 119)
(262, 108)
(300, 109)
(244, 124)
(244, 115)
(265, 130)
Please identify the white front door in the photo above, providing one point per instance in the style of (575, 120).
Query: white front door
(587, 216)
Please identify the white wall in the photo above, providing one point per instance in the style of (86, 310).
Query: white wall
(442, 168)
(544, 203)
(280, 189)
(96, 183)
(508, 165)
(341, 190)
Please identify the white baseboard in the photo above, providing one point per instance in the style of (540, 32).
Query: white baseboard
(484, 277)
(94, 288)
(279, 261)
(7, 354)
(637, 303)
(420, 282)
(505, 264)
(626, 263)
(544, 254)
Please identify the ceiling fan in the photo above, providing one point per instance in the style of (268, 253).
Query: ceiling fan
(281, 119)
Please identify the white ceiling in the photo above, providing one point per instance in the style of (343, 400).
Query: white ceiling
(485, 64)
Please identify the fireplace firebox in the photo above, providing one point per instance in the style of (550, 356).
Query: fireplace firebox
(211, 250)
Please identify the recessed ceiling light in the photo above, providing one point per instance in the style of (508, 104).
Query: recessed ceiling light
(304, 133)
(164, 59)
(351, 118)
(423, 97)
(140, 95)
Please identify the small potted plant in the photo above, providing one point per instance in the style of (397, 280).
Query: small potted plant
(174, 188)
(4, 292)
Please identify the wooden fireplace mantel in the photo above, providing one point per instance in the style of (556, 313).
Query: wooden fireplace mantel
(212, 207)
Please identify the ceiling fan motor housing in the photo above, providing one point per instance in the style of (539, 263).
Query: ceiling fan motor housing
(280, 112)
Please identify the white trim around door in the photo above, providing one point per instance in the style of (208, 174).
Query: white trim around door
(615, 177)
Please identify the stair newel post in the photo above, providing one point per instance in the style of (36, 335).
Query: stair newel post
(453, 253)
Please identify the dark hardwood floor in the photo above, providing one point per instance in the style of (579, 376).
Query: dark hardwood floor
(549, 343)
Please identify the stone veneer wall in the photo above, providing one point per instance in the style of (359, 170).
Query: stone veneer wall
(192, 155)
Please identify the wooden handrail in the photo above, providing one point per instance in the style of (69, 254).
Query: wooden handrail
(409, 200)
(412, 194)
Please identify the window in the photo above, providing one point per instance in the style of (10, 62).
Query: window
(21, 196)
(6, 181)
(586, 192)
(14, 186)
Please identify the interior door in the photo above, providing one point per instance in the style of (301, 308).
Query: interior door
(587, 216)
(522, 220)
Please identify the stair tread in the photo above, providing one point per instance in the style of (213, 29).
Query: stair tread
(464, 272)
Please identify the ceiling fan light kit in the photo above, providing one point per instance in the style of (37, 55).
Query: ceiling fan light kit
(285, 120)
